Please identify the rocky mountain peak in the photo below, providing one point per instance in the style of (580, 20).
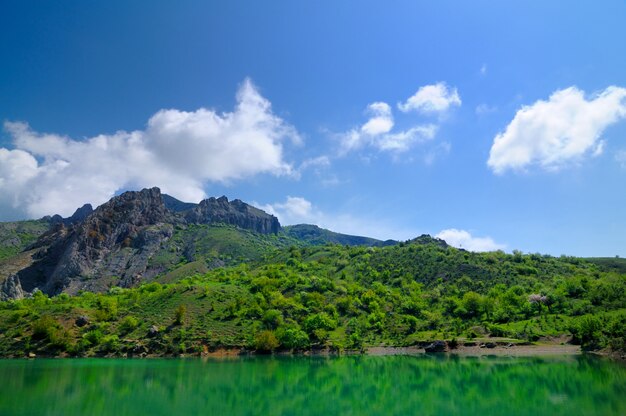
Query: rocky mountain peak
(236, 212)
(112, 245)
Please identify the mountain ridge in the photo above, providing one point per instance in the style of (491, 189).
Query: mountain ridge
(117, 242)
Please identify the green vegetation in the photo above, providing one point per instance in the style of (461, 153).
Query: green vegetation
(16, 236)
(314, 235)
(335, 297)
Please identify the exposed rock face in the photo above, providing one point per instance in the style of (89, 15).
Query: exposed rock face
(236, 213)
(11, 288)
(175, 205)
(78, 215)
(110, 246)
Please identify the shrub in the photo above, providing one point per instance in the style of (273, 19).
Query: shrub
(94, 337)
(265, 341)
(292, 337)
(181, 311)
(44, 327)
(110, 343)
(319, 321)
(107, 308)
(587, 330)
(272, 318)
(128, 324)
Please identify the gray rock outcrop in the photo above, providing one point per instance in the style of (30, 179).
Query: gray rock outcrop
(11, 288)
(236, 212)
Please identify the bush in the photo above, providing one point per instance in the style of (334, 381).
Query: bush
(587, 330)
(272, 318)
(292, 337)
(110, 343)
(128, 324)
(181, 311)
(44, 327)
(94, 337)
(266, 341)
(107, 309)
(319, 321)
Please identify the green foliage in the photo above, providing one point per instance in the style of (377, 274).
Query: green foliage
(265, 341)
(107, 308)
(44, 327)
(181, 311)
(94, 337)
(292, 337)
(296, 296)
(128, 324)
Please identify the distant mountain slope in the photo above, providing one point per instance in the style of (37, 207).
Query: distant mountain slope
(16, 236)
(314, 235)
(175, 205)
(610, 264)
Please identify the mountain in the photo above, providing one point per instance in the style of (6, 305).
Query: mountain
(295, 296)
(111, 245)
(314, 235)
(137, 237)
(146, 274)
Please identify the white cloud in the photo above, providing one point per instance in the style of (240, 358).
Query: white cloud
(554, 133)
(179, 151)
(376, 132)
(381, 120)
(298, 210)
(483, 69)
(436, 98)
(463, 239)
(403, 140)
(295, 210)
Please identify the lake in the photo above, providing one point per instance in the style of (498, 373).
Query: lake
(286, 385)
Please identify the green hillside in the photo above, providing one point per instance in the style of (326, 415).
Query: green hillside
(300, 297)
(314, 235)
(16, 236)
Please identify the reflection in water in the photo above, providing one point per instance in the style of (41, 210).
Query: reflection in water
(354, 385)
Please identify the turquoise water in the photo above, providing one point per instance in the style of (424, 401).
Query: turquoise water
(353, 385)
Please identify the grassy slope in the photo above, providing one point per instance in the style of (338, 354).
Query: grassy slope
(15, 236)
(343, 297)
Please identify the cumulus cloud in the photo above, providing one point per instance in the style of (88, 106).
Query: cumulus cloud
(298, 210)
(554, 133)
(295, 210)
(179, 151)
(381, 120)
(377, 132)
(429, 99)
(463, 239)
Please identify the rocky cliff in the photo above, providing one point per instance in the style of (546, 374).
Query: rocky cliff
(236, 213)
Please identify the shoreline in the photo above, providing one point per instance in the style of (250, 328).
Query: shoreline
(472, 350)
(478, 351)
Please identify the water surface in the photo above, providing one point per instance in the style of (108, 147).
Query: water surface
(353, 385)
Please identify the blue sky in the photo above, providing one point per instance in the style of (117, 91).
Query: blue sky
(490, 124)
